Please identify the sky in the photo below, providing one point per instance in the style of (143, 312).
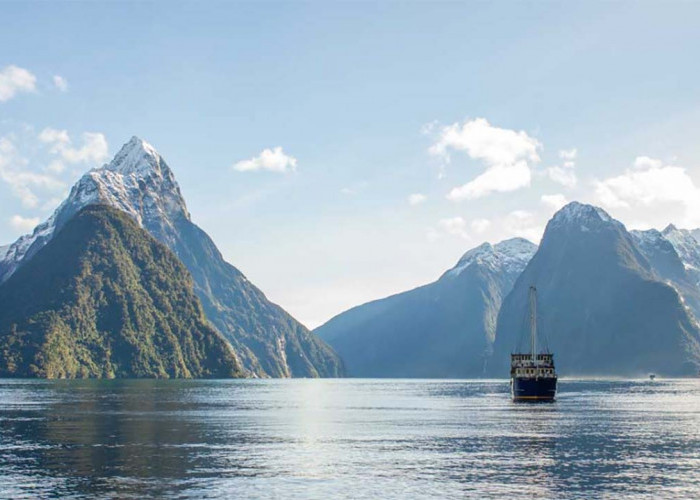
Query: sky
(342, 152)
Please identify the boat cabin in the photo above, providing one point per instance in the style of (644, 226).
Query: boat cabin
(522, 365)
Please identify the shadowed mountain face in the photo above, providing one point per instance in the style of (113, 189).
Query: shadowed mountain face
(687, 247)
(269, 342)
(104, 299)
(444, 329)
(602, 307)
(663, 250)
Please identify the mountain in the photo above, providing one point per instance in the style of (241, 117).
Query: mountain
(444, 329)
(687, 248)
(695, 233)
(269, 341)
(104, 299)
(663, 251)
(603, 309)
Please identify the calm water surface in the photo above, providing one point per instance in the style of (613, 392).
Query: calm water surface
(348, 439)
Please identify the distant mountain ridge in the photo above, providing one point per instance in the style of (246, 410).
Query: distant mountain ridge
(661, 250)
(613, 302)
(686, 244)
(605, 309)
(269, 341)
(104, 299)
(443, 329)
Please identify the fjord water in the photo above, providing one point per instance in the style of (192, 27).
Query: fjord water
(348, 439)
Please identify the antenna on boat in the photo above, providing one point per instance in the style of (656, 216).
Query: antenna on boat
(533, 323)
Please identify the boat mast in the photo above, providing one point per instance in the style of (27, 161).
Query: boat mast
(533, 323)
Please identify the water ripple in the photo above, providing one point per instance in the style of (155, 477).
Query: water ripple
(348, 439)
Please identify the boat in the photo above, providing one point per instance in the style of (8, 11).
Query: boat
(532, 374)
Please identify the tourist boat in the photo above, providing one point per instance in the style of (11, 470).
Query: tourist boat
(532, 375)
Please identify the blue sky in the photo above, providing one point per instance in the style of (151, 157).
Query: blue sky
(370, 103)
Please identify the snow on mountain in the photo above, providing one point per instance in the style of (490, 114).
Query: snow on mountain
(668, 265)
(664, 252)
(516, 250)
(509, 256)
(652, 242)
(442, 329)
(686, 246)
(137, 181)
(696, 234)
(585, 217)
(612, 303)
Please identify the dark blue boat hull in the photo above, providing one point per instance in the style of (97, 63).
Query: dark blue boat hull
(533, 389)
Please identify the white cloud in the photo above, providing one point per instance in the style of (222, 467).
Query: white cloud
(56, 167)
(644, 162)
(60, 83)
(455, 226)
(14, 80)
(24, 224)
(58, 138)
(520, 215)
(94, 149)
(485, 142)
(555, 201)
(568, 154)
(42, 176)
(507, 155)
(565, 174)
(524, 224)
(416, 199)
(273, 160)
(480, 225)
(496, 178)
(23, 182)
(649, 186)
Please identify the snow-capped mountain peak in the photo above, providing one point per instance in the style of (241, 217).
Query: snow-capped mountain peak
(581, 211)
(137, 181)
(585, 217)
(509, 256)
(516, 248)
(137, 157)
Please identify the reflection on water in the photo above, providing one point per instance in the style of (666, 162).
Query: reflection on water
(347, 438)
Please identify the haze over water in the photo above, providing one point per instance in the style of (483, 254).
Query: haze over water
(348, 439)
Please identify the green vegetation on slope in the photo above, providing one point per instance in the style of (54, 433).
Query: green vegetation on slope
(104, 299)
